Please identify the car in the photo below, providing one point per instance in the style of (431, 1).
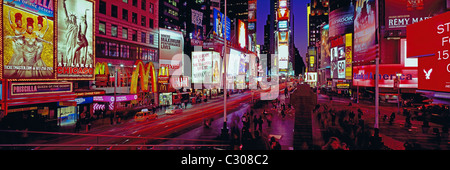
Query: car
(173, 110)
(145, 115)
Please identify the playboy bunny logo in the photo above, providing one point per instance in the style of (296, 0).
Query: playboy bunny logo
(427, 74)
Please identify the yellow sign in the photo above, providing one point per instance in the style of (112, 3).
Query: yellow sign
(143, 72)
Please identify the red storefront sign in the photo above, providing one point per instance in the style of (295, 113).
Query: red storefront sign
(365, 76)
(429, 41)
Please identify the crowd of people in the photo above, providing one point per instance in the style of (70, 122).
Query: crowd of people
(345, 130)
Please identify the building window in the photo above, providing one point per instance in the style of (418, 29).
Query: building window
(102, 7)
(124, 51)
(134, 35)
(102, 28)
(143, 37)
(125, 33)
(125, 14)
(133, 52)
(125, 1)
(134, 17)
(114, 11)
(151, 7)
(114, 30)
(135, 3)
(150, 23)
(143, 21)
(101, 48)
(144, 5)
(151, 39)
(113, 49)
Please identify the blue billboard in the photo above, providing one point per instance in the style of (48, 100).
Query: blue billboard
(219, 25)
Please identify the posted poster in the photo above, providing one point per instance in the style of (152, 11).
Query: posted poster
(75, 39)
(28, 41)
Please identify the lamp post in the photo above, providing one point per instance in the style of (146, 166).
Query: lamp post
(398, 91)
(225, 128)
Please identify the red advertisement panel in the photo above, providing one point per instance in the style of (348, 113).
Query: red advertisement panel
(365, 76)
(429, 41)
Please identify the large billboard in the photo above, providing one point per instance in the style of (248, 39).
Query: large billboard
(219, 25)
(429, 41)
(324, 47)
(341, 21)
(201, 67)
(365, 31)
(400, 13)
(242, 34)
(28, 40)
(171, 43)
(75, 39)
(283, 56)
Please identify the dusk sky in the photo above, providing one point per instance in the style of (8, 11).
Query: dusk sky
(300, 30)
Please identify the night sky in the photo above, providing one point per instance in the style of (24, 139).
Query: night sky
(300, 30)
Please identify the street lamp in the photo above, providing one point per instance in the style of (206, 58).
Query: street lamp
(225, 128)
(398, 91)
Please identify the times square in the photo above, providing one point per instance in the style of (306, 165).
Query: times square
(225, 75)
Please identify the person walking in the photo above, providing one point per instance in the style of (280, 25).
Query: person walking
(260, 123)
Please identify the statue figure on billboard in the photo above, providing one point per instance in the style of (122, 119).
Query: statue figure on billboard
(75, 37)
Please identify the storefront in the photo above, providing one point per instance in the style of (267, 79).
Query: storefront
(165, 99)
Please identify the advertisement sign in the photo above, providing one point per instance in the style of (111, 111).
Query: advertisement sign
(283, 56)
(233, 62)
(179, 82)
(429, 42)
(282, 25)
(348, 56)
(341, 69)
(75, 39)
(171, 43)
(121, 98)
(28, 40)
(365, 30)
(282, 3)
(197, 32)
(219, 25)
(283, 37)
(311, 77)
(334, 62)
(365, 76)
(216, 63)
(341, 20)
(242, 34)
(201, 67)
(39, 88)
(324, 48)
(283, 14)
(401, 13)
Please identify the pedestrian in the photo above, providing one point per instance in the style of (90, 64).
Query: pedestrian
(392, 118)
(274, 144)
(269, 119)
(255, 122)
(260, 123)
(77, 126)
(333, 144)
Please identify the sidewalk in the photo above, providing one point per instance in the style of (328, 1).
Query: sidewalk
(395, 135)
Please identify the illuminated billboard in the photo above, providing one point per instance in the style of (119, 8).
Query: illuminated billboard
(341, 21)
(201, 67)
(365, 31)
(400, 13)
(428, 41)
(171, 43)
(28, 40)
(76, 39)
(219, 25)
(282, 25)
(283, 14)
(242, 34)
(283, 56)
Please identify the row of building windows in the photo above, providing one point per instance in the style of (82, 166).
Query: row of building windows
(125, 51)
(134, 33)
(134, 16)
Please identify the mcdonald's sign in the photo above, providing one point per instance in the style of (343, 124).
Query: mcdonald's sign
(101, 73)
(143, 72)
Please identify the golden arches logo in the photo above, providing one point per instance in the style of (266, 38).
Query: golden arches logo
(144, 72)
(101, 68)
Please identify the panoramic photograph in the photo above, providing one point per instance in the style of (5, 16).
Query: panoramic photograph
(224, 75)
